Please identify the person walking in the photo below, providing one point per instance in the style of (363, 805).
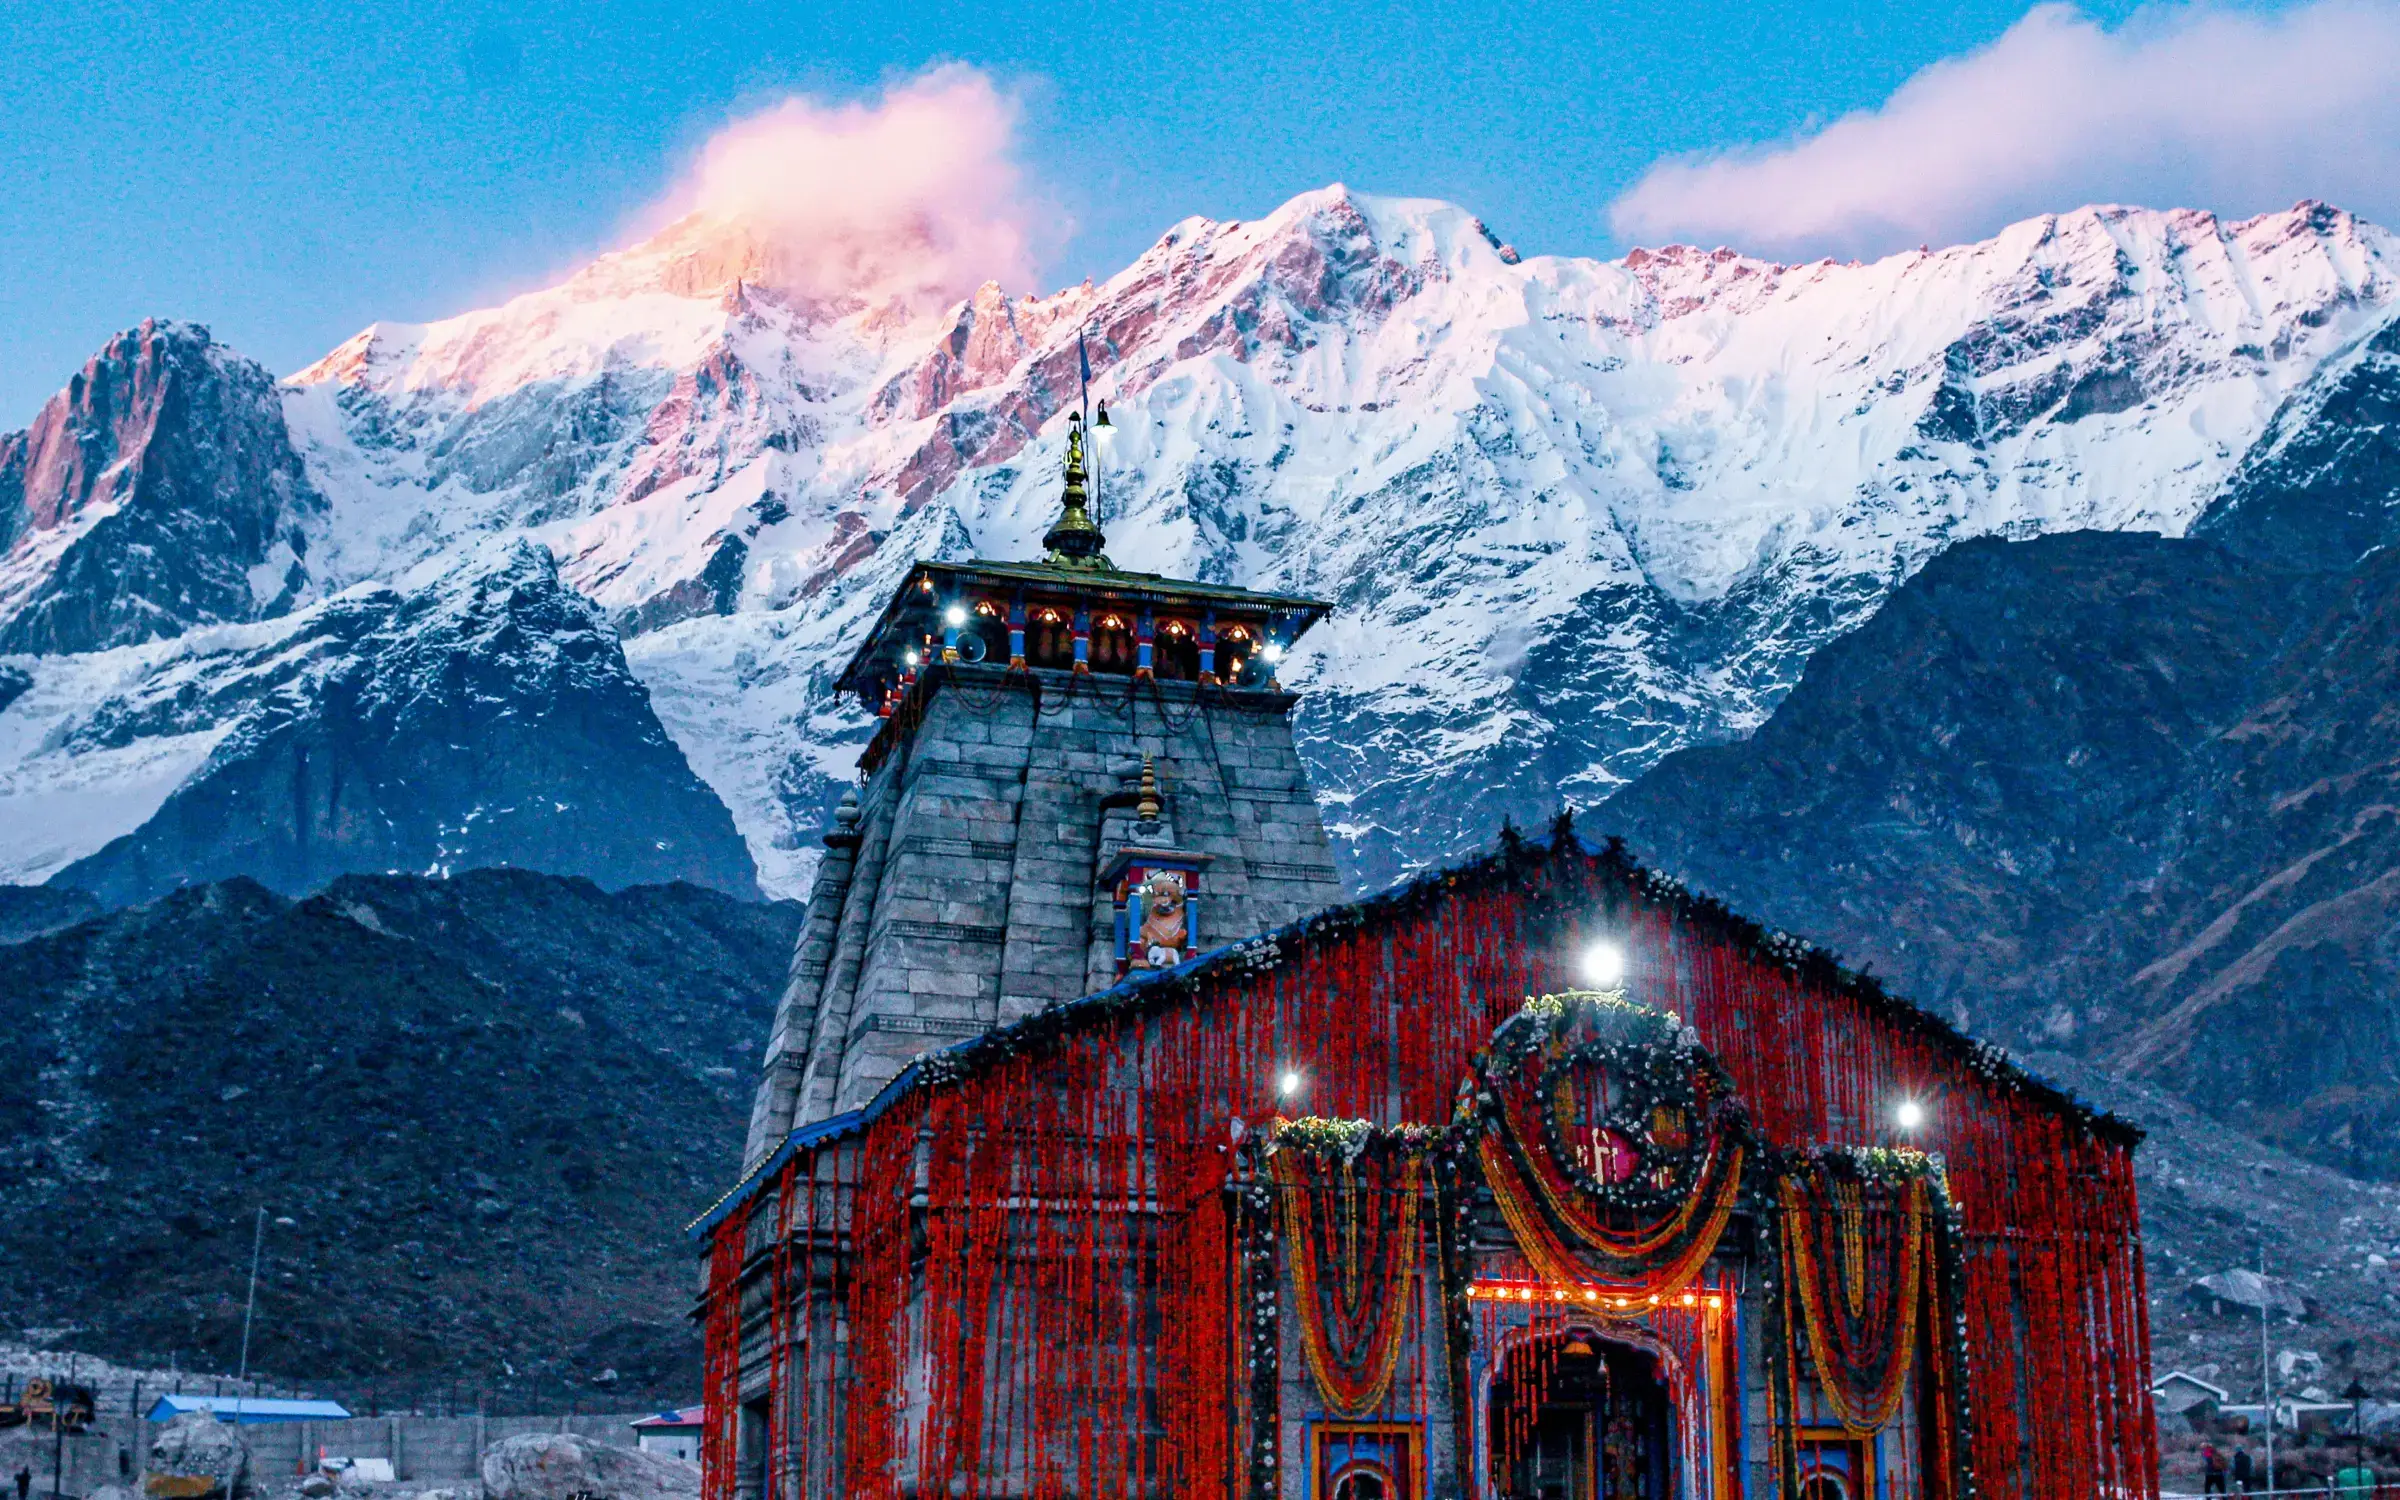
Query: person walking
(24, 1481)
(2245, 1470)
(2212, 1470)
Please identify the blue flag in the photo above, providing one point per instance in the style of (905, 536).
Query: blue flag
(1083, 357)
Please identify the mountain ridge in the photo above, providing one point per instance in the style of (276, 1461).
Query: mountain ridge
(1574, 514)
(474, 712)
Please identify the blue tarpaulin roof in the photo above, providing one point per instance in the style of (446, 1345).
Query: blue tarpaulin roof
(681, 1416)
(249, 1410)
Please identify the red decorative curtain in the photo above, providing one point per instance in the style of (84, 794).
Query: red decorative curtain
(721, 1361)
(1020, 1250)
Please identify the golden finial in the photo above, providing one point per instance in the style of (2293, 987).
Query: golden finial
(1147, 809)
(1072, 540)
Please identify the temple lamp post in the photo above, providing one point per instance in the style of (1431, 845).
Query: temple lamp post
(2266, 1365)
(1104, 442)
(2356, 1394)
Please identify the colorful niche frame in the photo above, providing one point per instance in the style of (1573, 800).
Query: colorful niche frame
(1156, 897)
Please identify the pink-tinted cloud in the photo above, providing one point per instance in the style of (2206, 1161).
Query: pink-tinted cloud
(916, 195)
(2185, 106)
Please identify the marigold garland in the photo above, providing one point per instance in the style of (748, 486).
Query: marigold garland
(1553, 1260)
(1565, 1202)
(1864, 1347)
(722, 1360)
(1647, 1248)
(1352, 1343)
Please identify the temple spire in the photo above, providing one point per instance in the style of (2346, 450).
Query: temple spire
(1073, 541)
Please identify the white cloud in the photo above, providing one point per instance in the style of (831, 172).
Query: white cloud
(2183, 106)
(916, 195)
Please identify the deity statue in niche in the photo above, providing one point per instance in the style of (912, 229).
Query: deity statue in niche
(1166, 932)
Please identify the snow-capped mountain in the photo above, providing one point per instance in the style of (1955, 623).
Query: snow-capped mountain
(1574, 514)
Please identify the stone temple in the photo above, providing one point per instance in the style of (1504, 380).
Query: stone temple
(1102, 1150)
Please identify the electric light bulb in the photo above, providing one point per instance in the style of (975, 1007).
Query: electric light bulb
(1910, 1114)
(1289, 1083)
(956, 614)
(910, 658)
(1604, 965)
(1274, 651)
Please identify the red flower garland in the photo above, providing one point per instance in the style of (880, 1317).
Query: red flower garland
(1859, 1272)
(1350, 1229)
(721, 1360)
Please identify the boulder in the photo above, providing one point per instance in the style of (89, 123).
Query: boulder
(562, 1466)
(2243, 1288)
(196, 1446)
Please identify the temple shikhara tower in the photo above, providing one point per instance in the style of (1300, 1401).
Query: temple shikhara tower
(1066, 752)
(1100, 1150)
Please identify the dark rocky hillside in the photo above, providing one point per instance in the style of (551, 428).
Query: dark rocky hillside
(2123, 796)
(487, 1106)
(31, 910)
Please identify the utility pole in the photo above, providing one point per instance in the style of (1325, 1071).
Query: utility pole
(2266, 1365)
(258, 1239)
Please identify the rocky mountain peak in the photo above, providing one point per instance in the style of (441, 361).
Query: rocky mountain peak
(109, 409)
(157, 491)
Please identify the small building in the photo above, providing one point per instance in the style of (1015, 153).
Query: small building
(249, 1411)
(2294, 1414)
(675, 1433)
(2176, 1394)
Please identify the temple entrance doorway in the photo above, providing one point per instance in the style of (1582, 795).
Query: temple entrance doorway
(1575, 1417)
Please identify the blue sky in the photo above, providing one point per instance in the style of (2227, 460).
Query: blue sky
(287, 172)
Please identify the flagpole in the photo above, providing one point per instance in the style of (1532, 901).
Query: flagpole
(1091, 440)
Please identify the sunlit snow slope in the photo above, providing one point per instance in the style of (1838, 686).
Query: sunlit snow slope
(1574, 514)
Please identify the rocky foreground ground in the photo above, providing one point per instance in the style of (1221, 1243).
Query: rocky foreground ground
(197, 1457)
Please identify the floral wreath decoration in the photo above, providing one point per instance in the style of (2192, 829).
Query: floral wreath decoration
(1612, 1142)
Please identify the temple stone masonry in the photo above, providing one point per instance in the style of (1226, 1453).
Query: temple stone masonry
(1072, 762)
